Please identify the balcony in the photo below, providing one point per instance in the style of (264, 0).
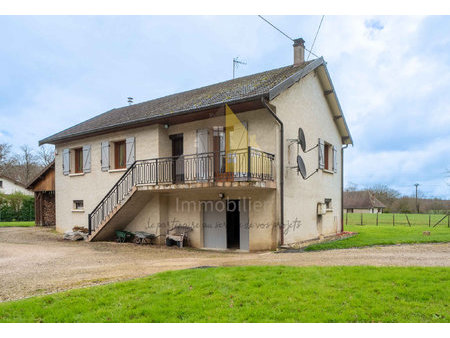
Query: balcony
(247, 168)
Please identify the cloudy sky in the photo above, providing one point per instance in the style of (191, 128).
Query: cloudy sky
(392, 76)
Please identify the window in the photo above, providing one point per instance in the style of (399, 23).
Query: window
(119, 155)
(78, 205)
(327, 152)
(78, 160)
(328, 204)
(327, 156)
(1, 184)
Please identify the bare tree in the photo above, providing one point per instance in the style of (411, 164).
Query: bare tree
(351, 187)
(5, 150)
(6, 161)
(46, 155)
(385, 194)
(28, 164)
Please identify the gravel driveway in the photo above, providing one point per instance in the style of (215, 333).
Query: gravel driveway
(37, 261)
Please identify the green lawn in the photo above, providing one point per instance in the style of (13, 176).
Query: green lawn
(17, 224)
(252, 294)
(385, 235)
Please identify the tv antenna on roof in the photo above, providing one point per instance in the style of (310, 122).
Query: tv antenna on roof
(236, 64)
(130, 101)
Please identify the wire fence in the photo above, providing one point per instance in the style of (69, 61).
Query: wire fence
(429, 220)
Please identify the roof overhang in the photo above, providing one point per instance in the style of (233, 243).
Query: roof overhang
(319, 66)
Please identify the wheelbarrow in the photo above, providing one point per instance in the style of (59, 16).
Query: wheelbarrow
(142, 237)
(123, 236)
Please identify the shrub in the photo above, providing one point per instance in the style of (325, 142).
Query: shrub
(16, 207)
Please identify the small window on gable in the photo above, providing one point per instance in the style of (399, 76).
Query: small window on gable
(327, 152)
(78, 204)
(78, 153)
(327, 156)
(120, 160)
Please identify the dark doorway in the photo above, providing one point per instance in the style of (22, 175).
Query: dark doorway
(233, 224)
(178, 162)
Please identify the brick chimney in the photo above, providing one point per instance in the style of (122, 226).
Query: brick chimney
(299, 51)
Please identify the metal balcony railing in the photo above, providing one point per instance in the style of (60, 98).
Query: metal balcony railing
(247, 164)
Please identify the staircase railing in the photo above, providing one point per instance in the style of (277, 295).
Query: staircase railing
(246, 164)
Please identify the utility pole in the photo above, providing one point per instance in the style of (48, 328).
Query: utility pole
(417, 204)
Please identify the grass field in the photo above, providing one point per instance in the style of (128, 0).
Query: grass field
(17, 224)
(385, 235)
(397, 219)
(252, 294)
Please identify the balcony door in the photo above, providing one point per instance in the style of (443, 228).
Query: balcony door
(177, 158)
(219, 149)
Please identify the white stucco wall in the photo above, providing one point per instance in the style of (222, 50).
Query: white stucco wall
(9, 187)
(92, 187)
(304, 105)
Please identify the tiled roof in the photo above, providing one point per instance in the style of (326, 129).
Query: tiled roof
(246, 87)
(361, 200)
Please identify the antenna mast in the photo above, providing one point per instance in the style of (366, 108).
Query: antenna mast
(236, 63)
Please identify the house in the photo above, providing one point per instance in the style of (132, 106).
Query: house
(362, 202)
(221, 159)
(9, 186)
(43, 186)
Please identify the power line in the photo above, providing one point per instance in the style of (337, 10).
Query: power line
(315, 37)
(310, 52)
(276, 28)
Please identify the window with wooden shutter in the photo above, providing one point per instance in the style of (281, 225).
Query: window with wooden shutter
(120, 155)
(326, 156)
(78, 164)
(87, 159)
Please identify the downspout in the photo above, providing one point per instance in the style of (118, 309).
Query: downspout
(272, 112)
(342, 186)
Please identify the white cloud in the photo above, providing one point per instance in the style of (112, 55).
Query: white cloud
(392, 76)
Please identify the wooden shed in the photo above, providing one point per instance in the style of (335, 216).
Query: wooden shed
(44, 196)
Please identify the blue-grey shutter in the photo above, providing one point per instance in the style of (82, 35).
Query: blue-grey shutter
(202, 158)
(130, 151)
(66, 161)
(87, 159)
(334, 159)
(105, 156)
(321, 154)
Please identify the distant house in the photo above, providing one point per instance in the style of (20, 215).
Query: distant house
(362, 202)
(43, 186)
(9, 186)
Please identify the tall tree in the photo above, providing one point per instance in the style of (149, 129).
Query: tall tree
(6, 161)
(385, 194)
(29, 166)
(5, 150)
(46, 155)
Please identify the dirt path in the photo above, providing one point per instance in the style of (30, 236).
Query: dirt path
(37, 261)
